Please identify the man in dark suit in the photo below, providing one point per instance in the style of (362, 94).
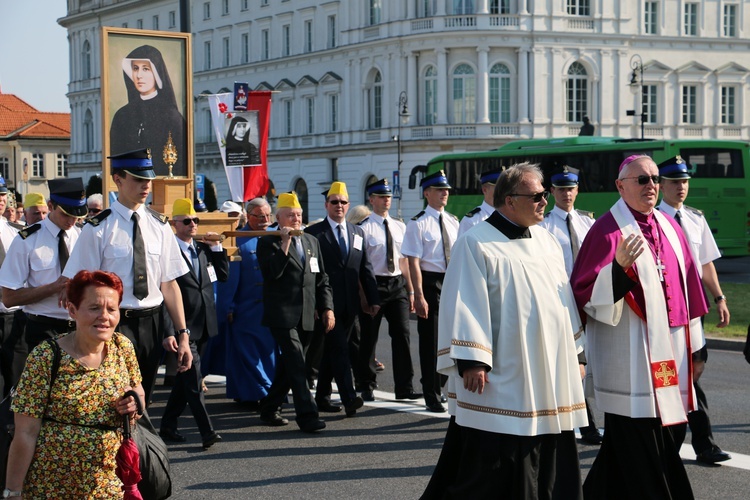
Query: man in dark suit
(208, 263)
(295, 287)
(347, 266)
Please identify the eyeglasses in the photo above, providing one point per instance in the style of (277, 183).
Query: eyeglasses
(536, 197)
(94, 210)
(643, 179)
(189, 221)
(338, 202)
(261, 216)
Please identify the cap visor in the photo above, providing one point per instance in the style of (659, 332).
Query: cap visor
(74, 211)
(141, 174)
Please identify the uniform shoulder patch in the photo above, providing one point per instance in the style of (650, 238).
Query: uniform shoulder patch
(17, 226)
(156, 215)
(416, 217)
(28, 231)
(472, 213)
(363, 221)
(696, 211)
(98, 218)
(398, 219)
(585, 213)
(448, 213)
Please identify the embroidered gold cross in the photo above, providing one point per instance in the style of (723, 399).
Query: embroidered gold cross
(664, 373)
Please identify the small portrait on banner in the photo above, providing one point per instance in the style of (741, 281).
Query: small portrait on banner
(241, 139)
(240, 96)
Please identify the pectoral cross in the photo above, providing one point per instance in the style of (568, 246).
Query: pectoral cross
(660, 268)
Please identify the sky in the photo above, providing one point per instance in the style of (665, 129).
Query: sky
(34, 53)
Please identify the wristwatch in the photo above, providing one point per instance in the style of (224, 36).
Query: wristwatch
(183, 330)
(720, 298)
(10, 494)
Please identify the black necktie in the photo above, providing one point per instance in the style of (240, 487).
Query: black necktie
(195, 262)
(575, 245)
(446, 242)
(62, 250)
(140, 274)
(342, 243)
(678, 218)
(388, 248)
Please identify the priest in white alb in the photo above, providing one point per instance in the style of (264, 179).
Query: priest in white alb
(508, 337)
(637, 283)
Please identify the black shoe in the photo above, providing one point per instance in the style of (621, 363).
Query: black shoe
(409, 395)
(592, 437)
(312, 425)
(326, 406)
(274, 420)
(367, 395)
(712, 455)
(436, 407)
(211, 440)
(172, 436)
(353, 405)
(443, 399)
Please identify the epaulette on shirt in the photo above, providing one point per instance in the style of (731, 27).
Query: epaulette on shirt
(363, 221)
(584, 213)
(448, 213)
(160, 217)
(398, 219)
(16, 225)
(29, 230)
(98, 218)
(416, 217)
(473, 212)
(696, 211)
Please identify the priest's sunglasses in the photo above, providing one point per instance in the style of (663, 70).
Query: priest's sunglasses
(536, 197)
(643, 179)
(187, 221)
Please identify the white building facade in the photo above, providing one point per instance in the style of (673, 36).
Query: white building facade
(475, 73)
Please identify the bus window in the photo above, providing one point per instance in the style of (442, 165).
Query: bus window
(714, 163)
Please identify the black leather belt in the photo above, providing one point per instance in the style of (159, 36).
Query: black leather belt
(59, 324)
(140, 313)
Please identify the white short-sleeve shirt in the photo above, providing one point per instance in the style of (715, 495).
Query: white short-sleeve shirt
(375, 242)
(423, 239)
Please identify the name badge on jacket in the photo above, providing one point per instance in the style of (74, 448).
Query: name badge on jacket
(357, 244)
(211, 273)
(314, 265)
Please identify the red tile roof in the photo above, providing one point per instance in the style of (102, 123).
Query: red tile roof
(18, 119)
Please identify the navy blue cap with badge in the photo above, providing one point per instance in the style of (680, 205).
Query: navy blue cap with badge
(436, 180)
(490, 176)
(3, 185)
(674, 168)
(379, 188)
(136, 163)
(568, 177)
(69, 195)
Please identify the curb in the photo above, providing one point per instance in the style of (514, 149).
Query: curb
(737, 345)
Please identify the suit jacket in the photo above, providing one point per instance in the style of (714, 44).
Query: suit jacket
(198, 296)
(346, 276)
(292, 292)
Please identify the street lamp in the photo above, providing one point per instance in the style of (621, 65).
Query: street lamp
(636, 87)
(403, 115)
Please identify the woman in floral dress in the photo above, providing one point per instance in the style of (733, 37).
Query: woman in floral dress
(65, 447)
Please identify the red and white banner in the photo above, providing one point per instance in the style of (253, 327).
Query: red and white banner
(242, 137)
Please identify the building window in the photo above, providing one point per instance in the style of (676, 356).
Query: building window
(331, 38)
(245, 47)
(464, 94)
(88, 132)
(207, 55)
(308, 36)
(4, 167)
(691, 19)
(430, 95)
(499, 94)
(689, 104)
(224, 7)
(300, 187)
(288, 118)
(728, 105)
(650, 18)
(124, 25)
(172, 19)
(577, 92)
(649, 103)
(62, 165)
(225, 51)
(333, 113)
(208, 126)
(375, 102)
(207, 10)
(374, 12)
(37, 165)
(264, 48)
(86, 60)
(462, 6)
(263, 3)
(155, 23)
(579, 7)
(334, 164)
(286, 40)
(499, 6)
(730, 20)
(310, 105)
(243, 5)
(139, 24)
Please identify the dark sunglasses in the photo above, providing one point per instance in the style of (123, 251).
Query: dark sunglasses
(338, 202)
(643, 179)
(188, 221)
(536, 198)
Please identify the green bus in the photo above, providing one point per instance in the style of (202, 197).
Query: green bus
(719, 185)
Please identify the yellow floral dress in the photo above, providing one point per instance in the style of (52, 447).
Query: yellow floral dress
(76, 459)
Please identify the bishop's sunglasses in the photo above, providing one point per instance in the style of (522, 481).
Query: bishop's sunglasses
(536, 197)
(643, 179)
(187, 221)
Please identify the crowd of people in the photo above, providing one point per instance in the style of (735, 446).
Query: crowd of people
(535, 307)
